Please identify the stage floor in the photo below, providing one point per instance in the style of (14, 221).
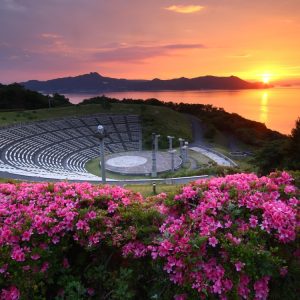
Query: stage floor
(140, 162)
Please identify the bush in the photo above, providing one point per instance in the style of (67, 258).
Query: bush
(233, 237)
(225, 237)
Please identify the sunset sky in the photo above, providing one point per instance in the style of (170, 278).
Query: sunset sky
(254, 39)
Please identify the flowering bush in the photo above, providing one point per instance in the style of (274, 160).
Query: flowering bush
(229, 237)
(233, 237)
(52, 231)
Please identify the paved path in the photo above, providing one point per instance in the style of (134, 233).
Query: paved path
(197, 130)
(199, 145)
(213, 156)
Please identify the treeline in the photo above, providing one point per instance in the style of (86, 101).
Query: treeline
(280, 154)
(15, 97)
(248, 131)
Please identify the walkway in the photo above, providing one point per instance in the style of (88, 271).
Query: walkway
(199, 145)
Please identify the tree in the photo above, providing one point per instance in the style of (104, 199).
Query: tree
(294, 147)
(271, 156)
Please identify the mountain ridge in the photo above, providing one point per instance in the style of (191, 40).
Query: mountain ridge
(94, 82)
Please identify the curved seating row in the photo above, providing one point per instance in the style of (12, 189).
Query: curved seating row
(60, 148)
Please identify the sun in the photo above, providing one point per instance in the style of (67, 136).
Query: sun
(266, 78)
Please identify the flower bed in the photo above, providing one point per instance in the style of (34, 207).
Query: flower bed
(229, 238)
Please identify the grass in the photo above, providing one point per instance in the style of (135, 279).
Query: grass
(8, 180)
(199, 158)
(147, 189)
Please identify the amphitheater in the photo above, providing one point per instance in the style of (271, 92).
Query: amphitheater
(59, 149)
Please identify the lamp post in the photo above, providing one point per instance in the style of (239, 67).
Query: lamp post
(154, 172)
(172, 152)
(186, 144)
(181, 145)
(157, 136)
(170, 138)
(101, 134)
(184, 154)
(154, 151)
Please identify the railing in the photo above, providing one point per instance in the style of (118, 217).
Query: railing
(175, 180)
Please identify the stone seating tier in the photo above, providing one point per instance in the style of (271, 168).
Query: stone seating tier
(59, 149)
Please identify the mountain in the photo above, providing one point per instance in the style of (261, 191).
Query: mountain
(94, 82)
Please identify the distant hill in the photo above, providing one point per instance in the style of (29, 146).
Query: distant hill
(14, 96)
(94, 82)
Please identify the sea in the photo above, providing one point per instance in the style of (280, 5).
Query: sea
(277, 107)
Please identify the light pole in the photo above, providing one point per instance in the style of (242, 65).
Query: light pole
(154, 151)
(181, 145)
(170, 138)
(101, 134)
(157, 136)
(186, 151)
(154, 172)
(172, 152)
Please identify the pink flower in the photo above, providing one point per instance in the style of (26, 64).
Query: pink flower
(239, 266)
(213, 241)
(3, 268)
(26, 235)
(44, 267)
(65, 263)
(253, 221)
(10, 294)
(18, 254)
(243, 289)
(289, 189)
(91, 215)
(112, 206)
(35, 256)
(261, 288)
(55, 240)
(90, 291)
(283, 271)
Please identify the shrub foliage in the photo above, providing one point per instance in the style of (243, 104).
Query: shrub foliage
(230, 238)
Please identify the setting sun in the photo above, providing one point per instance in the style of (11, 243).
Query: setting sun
(266, 78)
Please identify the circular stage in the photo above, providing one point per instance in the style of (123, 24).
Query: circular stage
(140, 162)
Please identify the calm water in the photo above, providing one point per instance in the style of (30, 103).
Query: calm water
(278, 108)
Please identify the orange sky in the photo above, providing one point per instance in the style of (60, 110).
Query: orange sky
(146, 39)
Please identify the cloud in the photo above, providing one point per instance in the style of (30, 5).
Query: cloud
(50, 36)
(242, 55)
(12, 5)
(54, 43)
(185, 9)
(184, 46)
(139, 53)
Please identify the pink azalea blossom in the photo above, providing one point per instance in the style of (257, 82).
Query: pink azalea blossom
(239, 266)
(213, 241)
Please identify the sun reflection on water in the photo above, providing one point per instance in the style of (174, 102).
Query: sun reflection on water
(264, 109)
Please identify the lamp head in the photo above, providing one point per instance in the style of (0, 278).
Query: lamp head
(101, 132)
(100, 129)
